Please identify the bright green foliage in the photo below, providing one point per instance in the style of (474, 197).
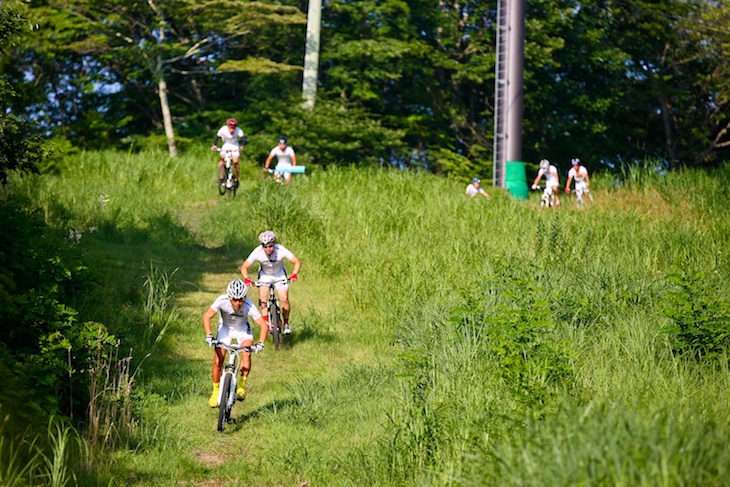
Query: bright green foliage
(699, 310)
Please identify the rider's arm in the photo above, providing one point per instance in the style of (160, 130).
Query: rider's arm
(297, 264)
(207, 316)
(264, 329)
(293, 160)
(483, 193)
(588, 180)
(268, 161)
(244, 269)
(537, 179)
(215, 142)
(567, 183)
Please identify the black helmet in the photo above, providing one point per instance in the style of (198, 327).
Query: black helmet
(282, 139)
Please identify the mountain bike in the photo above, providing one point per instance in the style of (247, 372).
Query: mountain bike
(581, 188)
(274, 310)
(548, 199)
(279, 171)
(229, 381)
(226, 178)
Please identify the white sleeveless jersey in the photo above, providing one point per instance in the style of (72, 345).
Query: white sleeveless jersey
(272, 265)
(235, 320)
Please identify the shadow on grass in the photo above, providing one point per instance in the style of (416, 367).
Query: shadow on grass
(239, 421)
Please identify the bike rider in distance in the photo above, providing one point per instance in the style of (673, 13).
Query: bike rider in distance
(234, 309)
(475, 188)
(270, 256)
(229, 135)
(284, 156)
(552, 180)
(580, 174)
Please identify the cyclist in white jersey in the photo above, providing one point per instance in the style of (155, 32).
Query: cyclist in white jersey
(234, 309)
(284, 156)
(580, 174)
(229, 135)
(552, 180)
(475, 188)
(270, 256)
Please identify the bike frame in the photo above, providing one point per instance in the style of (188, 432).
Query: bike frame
(272, 302)
(581, 188)
(229, 368)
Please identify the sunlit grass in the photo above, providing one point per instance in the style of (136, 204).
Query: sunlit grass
(438, 339)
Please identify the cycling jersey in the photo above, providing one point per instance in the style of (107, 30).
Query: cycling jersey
(235, 320)
(578, 175)
(230, 140)
(271, 265)
(283, 157)
(551, 175)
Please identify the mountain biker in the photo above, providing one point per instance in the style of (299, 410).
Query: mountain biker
(552, 180)
(474, 188)
(580, 174)
(285, 157)
(229, 134)
(234, 309)
(270, 256)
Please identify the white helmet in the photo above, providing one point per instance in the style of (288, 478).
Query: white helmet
(267, 237)
(575, 161)
(544, 164)
(237, 289)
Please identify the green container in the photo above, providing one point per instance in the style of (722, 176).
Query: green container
(515, 180)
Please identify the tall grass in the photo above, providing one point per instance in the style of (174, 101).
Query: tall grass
(443, 340)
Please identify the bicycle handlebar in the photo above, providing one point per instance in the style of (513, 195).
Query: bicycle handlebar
(233, 348)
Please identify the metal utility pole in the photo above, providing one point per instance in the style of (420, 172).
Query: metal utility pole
(508, 86)
(311, 54)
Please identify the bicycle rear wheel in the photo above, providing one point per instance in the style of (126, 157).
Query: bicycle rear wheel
(224, 409)
(275, 324)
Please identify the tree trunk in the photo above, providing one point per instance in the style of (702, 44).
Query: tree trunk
(668, 135)
(166, 117)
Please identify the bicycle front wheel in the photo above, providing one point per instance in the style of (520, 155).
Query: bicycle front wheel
(224, 408)
(275, 324)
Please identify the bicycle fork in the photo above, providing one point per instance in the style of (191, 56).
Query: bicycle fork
(228, 369)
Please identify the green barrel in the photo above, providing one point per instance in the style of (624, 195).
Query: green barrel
(515, 180)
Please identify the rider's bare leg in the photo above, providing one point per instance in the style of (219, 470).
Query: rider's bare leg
(285, 306)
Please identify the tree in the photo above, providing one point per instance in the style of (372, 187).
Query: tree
(133, 49)
(20, 143)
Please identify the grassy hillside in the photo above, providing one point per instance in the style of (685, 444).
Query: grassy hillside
(438, 340)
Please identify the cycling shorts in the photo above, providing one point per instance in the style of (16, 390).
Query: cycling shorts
(226, 335)
(281, 277)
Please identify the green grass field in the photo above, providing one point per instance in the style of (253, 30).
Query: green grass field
(438, 340)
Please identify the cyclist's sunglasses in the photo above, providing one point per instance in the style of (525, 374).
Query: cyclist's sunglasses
(269, 246)
(237, 300)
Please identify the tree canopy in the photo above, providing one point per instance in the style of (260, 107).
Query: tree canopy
(611, 82)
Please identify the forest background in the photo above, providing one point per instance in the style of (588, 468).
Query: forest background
(636, 360)
(409, 83)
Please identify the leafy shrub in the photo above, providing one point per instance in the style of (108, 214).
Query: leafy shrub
(699, 310)
(43, 346)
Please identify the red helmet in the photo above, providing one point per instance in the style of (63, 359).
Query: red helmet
(232, 122)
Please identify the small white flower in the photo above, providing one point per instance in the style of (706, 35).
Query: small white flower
(74, 236)
(103, 199)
